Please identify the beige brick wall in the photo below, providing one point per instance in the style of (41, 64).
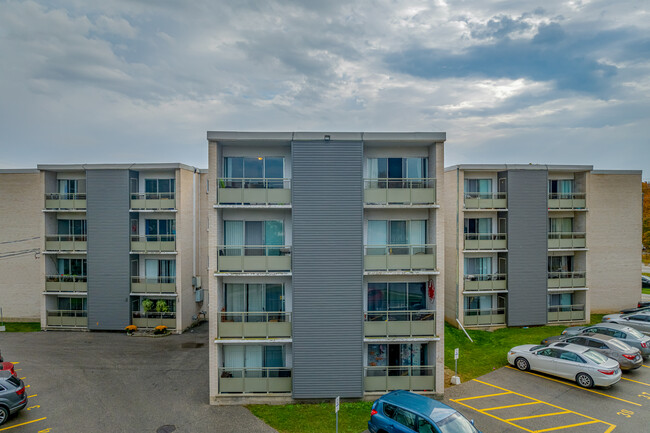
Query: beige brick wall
(450, 206)
(211, 282)
(439, 217)
(614, 241)
(22, 278)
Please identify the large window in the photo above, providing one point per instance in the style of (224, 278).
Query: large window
(72, 304)
(478, 266)
(253, 361)
(166, 229)
(397, 172)
(159, 188)
(259, 172)
(163, 271)
(560, 225)
(560, 263)
(136, 306)
(72, 227)
(75, 267)
(71, 186)
(397, 355)
(256, 236)
(481, 188)
(478, 225)
(396, 296)
(490, 304)
(383, 233)
(560, 299)
(561, 188)
(254, 299)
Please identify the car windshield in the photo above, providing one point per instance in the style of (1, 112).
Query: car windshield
(536, 347)
(633, 332)
(456, 423)
(595, 357)
(619, 345)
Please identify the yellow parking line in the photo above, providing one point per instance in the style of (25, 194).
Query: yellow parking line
(540, 416)
(25, 423)
(576, 386)
(636, 381)
(645, 366)
(14, 363)
(567, 426)
(493, 416)
(509, 406)
(482, 396)
(23, 378)
(32, 396)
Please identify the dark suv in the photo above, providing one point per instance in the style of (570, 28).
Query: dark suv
(406, 412)
(12, 395)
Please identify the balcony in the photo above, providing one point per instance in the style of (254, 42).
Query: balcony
(262, 380)
(254, 191)
(67, 318)
(389, 378)
(486, 241)
(69, 243)
(386, 258)
(254, 258)
(416, 323)
(566, 240)
(153, 201)
(574, 200)
(485, 282)
(254, 325)
(153, 319)
(561, 280)
(392, 191)
(153, 244)
(66, 283)
(487, 317)
(566, 313)
(153, 285)
(486, 200)
(65, 202)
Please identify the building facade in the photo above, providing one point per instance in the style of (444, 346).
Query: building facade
(116, 245)
(536, 244)
(325, 258)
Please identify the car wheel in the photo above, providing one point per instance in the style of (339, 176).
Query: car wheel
(522, 364)
(584, 380)
(4, 415)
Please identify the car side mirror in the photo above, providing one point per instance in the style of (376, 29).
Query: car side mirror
(471, 421)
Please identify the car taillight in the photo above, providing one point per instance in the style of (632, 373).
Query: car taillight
(629, 356)
(643, 344)
(607, 372)
(563, 332)
(21, 391)
(373, 412)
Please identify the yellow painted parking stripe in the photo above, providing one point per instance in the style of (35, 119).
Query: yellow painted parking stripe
(32, 396)
(539, 416)
(567, 426)
(23, 378)
(493, 416)
(579, 387)
(645, 366)
(636, 381)
(511, 405)
(25, 423)
(482, 396)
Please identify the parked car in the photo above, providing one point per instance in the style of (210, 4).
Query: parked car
(639, 321)
(626, 334)
(645, 282)
(8, 366)
(1, 360)
(569, 361)
(628, 357)
(12, 395)
(406, 412)
(635, 309)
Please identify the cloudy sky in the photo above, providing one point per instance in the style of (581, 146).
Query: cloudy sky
(143, 80)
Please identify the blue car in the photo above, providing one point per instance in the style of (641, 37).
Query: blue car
(406, 412)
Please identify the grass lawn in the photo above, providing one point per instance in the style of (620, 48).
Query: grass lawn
(22, 326)
(645, 291)
(314, 418)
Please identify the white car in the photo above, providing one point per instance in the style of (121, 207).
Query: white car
(569, 361)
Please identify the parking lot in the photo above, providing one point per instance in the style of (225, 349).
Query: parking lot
(94, 382)
(509, 400)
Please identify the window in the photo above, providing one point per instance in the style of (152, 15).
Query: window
(70, 187)
(596, 357)
(405, 418)
(425, 427)
(255, 235)
(72, 267)
(251, 172)
(136, 305)
(477, 266)
(72, 227)
(578, 340)
(560, 299)
(560, 263)
(396, 355)
(549, 352)
(166, 229)
(561, 188)
(398, 172)
(159, 188)
(478, 225)
(484, 305)
(390, 233)
(162, 271)
(481, 188)
(560, 225)
(253, 298)
(72, 304)
(396, 296)
(389, 410)
(253, 361)
(570, 356)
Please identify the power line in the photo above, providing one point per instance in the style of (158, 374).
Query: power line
(20, 240)
(19, 253)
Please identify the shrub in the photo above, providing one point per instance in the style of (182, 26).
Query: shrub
(131, 329)
(161, 306)
(161, 329)
(147, 305)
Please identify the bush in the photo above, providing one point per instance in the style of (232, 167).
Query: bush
(161, 329)
(131, 329)
(161, 306)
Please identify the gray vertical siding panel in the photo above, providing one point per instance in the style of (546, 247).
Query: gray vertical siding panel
(527, 247)
(108, 249)
(327, 266)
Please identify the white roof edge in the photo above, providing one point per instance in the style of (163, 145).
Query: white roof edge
(503, 167)
(132, 166)
(321, 135)
(19, 171)
(631, 172)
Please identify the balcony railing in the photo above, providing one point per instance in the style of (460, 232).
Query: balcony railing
(486, 241)
(566, 313)
(76, 243)
(153, 243)
(254, 191)
(400, 257)
(410, 323)
(572, 200)
(411, 191)
(274, 324)
(153, 201)
(254, 258)
(485, 282)
(566, 240)
(485, 317)
(486, 200)
(67, 318)
(66, 283)
(262, 380)
(61, 201)
(566, 280)
(153, 319)
(390, 378)
(153, 285)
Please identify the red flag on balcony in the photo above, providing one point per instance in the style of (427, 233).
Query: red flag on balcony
(431, 290)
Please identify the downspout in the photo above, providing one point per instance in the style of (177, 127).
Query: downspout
(457, 240)
(195, 215)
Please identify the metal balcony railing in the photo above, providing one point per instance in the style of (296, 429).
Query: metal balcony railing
(566, 280)
(486, 200)
(566, 313)
(254, 191)
(486, 241)
(390, 378)
(407, 323)
(66, 243)
(485, 282)
(402, 191)
(400, 257)
(153, 243)
(66, 283)
(152, 319)
(571, 200)
(484, 317)
(258, 380)
(566, 240)
(67, 318)
(153, 285)
(153, 200)
(66, 201)
(254, 258)
(267, 324)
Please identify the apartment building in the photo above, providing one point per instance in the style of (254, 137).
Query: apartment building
(116, 244)
(325, 265)
(537, 244)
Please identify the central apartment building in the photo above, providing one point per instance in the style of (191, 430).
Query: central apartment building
(325, 258)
